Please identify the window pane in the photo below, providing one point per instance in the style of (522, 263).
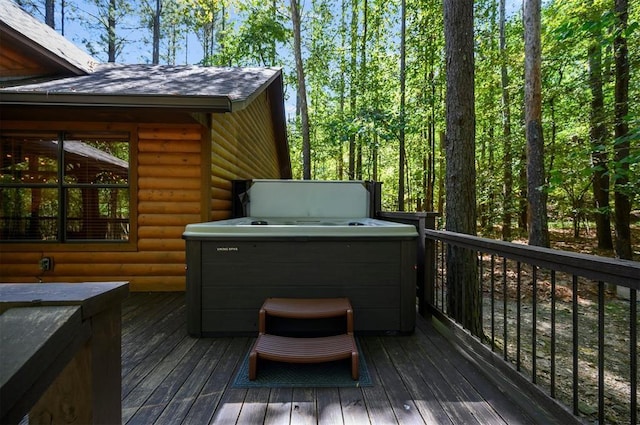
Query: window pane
(97, 214)
(96, 159)
(29, 158)
(28, 214)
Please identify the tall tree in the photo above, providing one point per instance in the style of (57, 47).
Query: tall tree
(401, 148)
(156, 32)
(353, 92)
(536, 191)
(49, 16)
(108, 26)
(622, 143)
(462, 279)
(151, 12)
(302, 91)
(598, 134)
(507, 192)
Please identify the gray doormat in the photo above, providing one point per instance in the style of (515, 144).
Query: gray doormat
(279, 374)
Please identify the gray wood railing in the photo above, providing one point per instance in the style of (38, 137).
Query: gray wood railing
(537, 323)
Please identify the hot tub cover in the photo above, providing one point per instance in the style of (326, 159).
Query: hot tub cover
(247, 227)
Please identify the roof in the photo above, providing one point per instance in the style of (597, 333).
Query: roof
(18, 25)
(220, 89)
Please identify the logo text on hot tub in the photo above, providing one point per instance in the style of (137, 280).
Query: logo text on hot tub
(227, 248)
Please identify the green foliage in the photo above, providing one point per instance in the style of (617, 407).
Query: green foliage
(345, 55)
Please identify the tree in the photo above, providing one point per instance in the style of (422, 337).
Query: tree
(49, 16)
(151, 13)
(622, 143)
(401, 149)
(302, 90)
(353, 92)
(33, 7)
(507, 193)
(462, 279)
(536, 191)
(598, 137)
(107, 27)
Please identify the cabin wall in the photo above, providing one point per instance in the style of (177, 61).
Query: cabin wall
(166, 189)
(183, 175)
(15, 63)
(242, 147)
(169, 193)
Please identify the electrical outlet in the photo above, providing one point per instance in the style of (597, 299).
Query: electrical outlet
(46, 264)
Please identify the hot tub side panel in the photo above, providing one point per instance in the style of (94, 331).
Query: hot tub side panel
(194, 287)
(236, 276)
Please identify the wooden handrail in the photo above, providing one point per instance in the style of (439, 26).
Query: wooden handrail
(610, 270)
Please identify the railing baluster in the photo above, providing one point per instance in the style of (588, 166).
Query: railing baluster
(504, 306)
(553, 333)
(574, 300)
(436, 246)
(481, 295)
(518, 314)
(600, 352)
(442, 259)
(633, 353)
(493, 301)
(534, 319)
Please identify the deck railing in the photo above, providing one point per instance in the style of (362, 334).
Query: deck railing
(555, 317)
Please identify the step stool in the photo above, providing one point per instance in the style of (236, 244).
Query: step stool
(305, 350)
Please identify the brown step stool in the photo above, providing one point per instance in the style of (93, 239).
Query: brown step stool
(305, 350)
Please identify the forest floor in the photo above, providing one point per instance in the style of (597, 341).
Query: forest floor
(617, 330)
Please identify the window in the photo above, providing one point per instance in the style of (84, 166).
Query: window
(64, 186)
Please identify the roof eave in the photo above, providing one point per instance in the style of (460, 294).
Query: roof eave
(45, 53)
(238, 105)
(198, 103)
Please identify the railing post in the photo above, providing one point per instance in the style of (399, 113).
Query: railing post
(425, 261)
(429, 265)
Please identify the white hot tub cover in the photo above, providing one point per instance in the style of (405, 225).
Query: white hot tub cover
(286, 208)
(300, 227)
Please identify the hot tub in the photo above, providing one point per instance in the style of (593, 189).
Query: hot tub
(234, 265)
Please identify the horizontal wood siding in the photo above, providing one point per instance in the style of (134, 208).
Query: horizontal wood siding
(169, 194)
(16, 63)
(243, 147)
(171, 188)
(168, 180)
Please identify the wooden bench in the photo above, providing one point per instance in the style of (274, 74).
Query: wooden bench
(302, 349)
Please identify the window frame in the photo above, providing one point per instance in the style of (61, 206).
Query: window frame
(81, 244)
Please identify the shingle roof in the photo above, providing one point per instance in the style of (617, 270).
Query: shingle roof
(149, 85)
(44, 39)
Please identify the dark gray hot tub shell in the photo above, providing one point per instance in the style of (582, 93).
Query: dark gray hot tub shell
(233, 266)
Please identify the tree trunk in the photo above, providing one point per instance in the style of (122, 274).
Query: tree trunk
(522, 188)
(302, 92)
(507, 188)
(536, 191)
(598, 150)
(622, 201)
(353, 93)
(155, 59)
(342, 85)
(49, 13)
(401, 136)
(111, 32)
(463, 296)
(155, 56)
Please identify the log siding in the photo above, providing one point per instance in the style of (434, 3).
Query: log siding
(180, 174)
(242, 148)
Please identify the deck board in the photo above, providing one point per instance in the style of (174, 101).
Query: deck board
(172, 378)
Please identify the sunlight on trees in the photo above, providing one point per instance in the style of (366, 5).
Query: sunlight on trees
(351, 53)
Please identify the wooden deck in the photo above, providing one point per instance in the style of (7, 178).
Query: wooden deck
(171, 378)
